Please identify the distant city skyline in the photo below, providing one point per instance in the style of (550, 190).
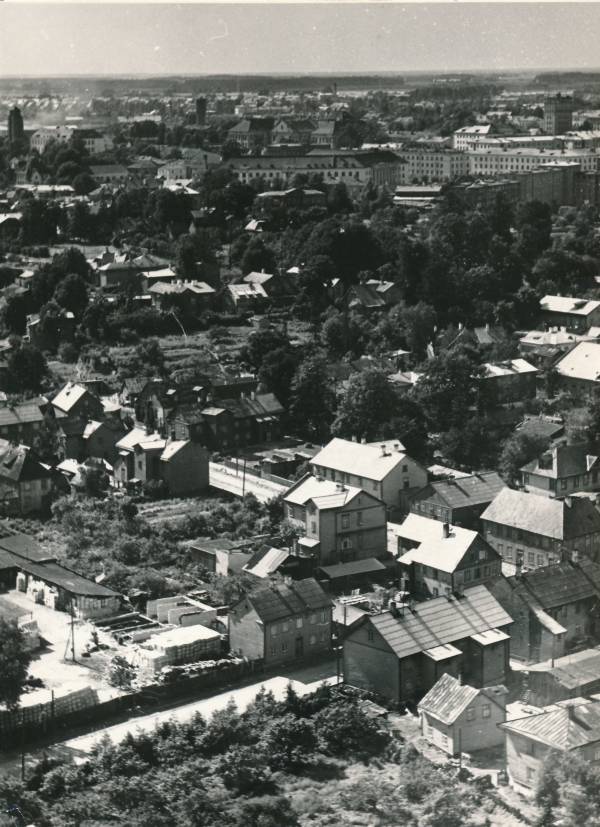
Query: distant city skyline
(48, 39)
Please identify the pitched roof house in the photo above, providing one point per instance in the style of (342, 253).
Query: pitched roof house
(579, 369)
(75, 400)
(402, 653)
(282, 623)
(554, 607)
(384, 471)
(458, 501)
(341, 523)
(457, 718)
(567, 726)
(537, 530)
(446, 558)
(574, 314)
(561, 471)
(25, 482)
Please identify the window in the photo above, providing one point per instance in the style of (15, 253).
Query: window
(274, 630)
(370, 635)
(406, 483)
(563, 484)
(597, 754)
(323, 616)
(313, 527)
(540, 559)
(298, 623)
(375, 486)
(405, 469)
(486, 711)
(471, 714)
(531, 558)
(312, 640)
(284, 648)
(359, 517)
(313, 618)
(286, 627)
(467, 575)
(273, 649)
(345, 521)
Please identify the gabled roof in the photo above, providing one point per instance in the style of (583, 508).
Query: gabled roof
(470, 490)
(564, 461)
(323, 493)
(173, 447)
(279, 602)
(448, 698)
(441, 621)
(135, 437)
(566, 725)
(20, 414)
(266, 561)
(567, 304)
(19, 464)
(356, 458)
(558, 519)
(574, 670)
(445, 553)
(510, 367)
(561, 583)
(66, 398)
(583, 362)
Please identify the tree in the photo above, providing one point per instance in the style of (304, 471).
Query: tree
(518, 450)
(72, 294)
(83, 183)
(450, 389)
(258, 257)
(14, 663)
(312, 399)
(344, 729)
(368, 402)
(277, 372)
(80, 222)
(26, 367)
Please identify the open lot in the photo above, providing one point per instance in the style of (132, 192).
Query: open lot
(10, 610)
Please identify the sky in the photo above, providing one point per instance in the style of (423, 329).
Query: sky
(49, 39)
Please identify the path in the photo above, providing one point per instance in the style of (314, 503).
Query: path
(226, 479)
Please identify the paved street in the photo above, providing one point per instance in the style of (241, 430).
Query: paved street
(304, 680)
(226, 479)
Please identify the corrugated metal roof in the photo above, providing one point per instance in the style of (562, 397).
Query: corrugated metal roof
(566, 725)
(279, 602)
(441, 620)
(562, 583)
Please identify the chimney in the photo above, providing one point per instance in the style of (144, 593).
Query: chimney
(518, 569)
(363, 440)
(383, 450)
(446, 530)
(459, 678)
(575, 557)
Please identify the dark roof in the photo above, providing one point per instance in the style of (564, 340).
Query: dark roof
(367, 296)
(477, 489)
(25, 546)
(563, 461)
(441, 620)
(20, 414)
(66, 579)
(278, 602)
(536, 426)
(18, 463)
(355, 567)
(562, 583)
(263, 404)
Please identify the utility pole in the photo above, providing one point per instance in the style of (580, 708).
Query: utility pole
(244, 479)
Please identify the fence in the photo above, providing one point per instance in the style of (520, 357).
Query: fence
(255, 471)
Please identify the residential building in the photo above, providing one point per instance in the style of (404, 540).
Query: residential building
(579, 369)
(195, 296)
(444, 559)
(94, 142)
(143, 458)
(513, 380)
(402, 653)
(512, 161)
(558, 114)
(190, 168)
(340, 523)
(21, 422)
(294, 198)
(78, 402)
(42, 137)
(278, 288)
(220, 556)
(385, 471)
(571, 726)
(25, 482)
(554, 608)
(293, 131)
(561, 471)
(535, 531)
(83, 439)
(115, 274)
(252, 133)
(571, 314)
(247, 297)
(109, 173)
(571, 676)
(431, 165)
(227, 424)
(282, 623)
(465, 137)
(459, 501)
(459, 718)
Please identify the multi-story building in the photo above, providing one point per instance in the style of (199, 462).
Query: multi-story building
(561, 471)
(558, 114)
(459, 501)
(579, 369)
(444, 559)
(554, 608)
(535, 531)
(434, 165)
(282, 623)
(42, 137)
(571, 726)
(467, 136)
(252, 133)
(383, 471)
(508, 161)
(571, 314)
(340, 522)
(403, 652)
(15, 125)
(511, 381)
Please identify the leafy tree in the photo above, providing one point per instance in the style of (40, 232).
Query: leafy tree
(277, 372)
(262, 342)
(72, 294)
(344, 729)
(244, 770)
(80, 225)
(450, 389)
(258, 257)
(368, 402)
(518, 450)
(14, 663)
(26, 368)
(289, 742)
(312, 399)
